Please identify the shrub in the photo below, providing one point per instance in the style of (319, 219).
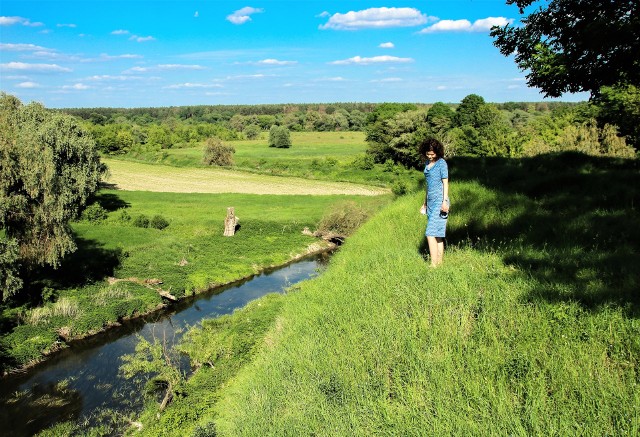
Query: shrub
(94, 213)
(399, 188)
(158, 222)
(364, 162)
(343, 219)
(124, 216)
(252, 131)
(141, 221)
(216, 153)
(279, 137)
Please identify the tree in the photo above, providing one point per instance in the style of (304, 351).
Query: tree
(216, 153)
(49, 167)
(440, 117)
(620, 105)
(575, 45)
(467, 110)
(279, 137)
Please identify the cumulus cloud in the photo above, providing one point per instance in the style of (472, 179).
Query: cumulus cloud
(241, 16)
(33, 68)
(482, 25)
(374, 60)
(196, 15)
(120, 32)
(21, 47)
(106, 57)
(28, 85)
(71, 25)
(387, 45)
(9, 21)
(275, 62)
(376, 18)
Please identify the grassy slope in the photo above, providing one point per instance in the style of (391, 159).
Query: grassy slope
(530, 328)
(191, 254)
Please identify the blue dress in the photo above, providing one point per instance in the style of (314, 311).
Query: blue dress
(436, 225)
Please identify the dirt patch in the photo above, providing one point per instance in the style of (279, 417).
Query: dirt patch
(132, 176)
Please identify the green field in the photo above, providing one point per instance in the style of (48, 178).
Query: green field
(190, 255)
(529, 328)
(333, 156)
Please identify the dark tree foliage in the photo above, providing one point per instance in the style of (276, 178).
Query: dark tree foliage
(574, 45)
(49, 167)
(466, 113)
(620, 105)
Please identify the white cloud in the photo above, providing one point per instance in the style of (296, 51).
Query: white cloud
(513, 87)
(482, 25)
(20, 47)
(77, 86)
(34, 68)
(28, 85)
(137, 38)
(387, 45)
(196, 15)
(374, 60)
(180, 67)
(376, 18)
(442, 87)
(9, 21)
(241, 16)
(333, 79)
(106, 57)
(323, 14)
(275, 62)
(108, 77)
(189, 85)
(387, 79)
(73, 26)
(120, 32)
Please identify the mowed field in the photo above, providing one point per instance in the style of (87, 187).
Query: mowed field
(134, 176)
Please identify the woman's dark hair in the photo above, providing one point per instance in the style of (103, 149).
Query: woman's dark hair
(431, 145)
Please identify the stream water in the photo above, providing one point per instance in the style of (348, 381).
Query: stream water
(77, 383)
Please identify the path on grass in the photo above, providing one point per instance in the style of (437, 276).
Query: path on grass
(134, 176)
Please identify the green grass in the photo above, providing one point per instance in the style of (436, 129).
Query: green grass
(314, 155)
(189, 255)
(529, 328)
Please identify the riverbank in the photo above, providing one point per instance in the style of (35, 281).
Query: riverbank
(529, 328)
(187, 256)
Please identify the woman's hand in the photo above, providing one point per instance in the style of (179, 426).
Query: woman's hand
(445, 206)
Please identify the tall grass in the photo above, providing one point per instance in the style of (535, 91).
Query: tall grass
(530, 327)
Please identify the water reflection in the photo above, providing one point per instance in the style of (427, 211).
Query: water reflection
(81, 380)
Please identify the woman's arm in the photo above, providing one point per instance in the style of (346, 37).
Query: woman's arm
(445, 195)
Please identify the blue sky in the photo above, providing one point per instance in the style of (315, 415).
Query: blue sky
(140, 53)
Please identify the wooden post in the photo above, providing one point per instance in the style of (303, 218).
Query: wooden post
(230, 222)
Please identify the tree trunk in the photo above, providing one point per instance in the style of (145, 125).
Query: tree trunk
(230, 222)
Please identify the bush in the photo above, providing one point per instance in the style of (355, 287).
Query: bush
(364, 162)
(141, 221)
(399, 188)
(279, 137)
(94, 213)
(252, 131)
(343, 219)
(216, 153)
(124, 216)
(158, 222)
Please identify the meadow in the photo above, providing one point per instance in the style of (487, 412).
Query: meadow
(331, 156)
(123, 260)
(529, 328)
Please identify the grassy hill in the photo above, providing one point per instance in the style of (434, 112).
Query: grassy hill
(529, 328)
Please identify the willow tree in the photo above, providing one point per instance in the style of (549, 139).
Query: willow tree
(49, 167)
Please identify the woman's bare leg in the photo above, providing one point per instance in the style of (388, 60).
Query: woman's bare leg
(433, 250)
(440, 242)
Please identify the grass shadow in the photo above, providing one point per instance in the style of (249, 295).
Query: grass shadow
(568, 220)
(91, 262)
(109, 201)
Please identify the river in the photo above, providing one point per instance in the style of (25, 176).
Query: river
(80, 382)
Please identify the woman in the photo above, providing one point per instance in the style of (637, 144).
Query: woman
(436, 201)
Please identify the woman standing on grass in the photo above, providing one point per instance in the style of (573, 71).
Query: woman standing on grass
(436, 203)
